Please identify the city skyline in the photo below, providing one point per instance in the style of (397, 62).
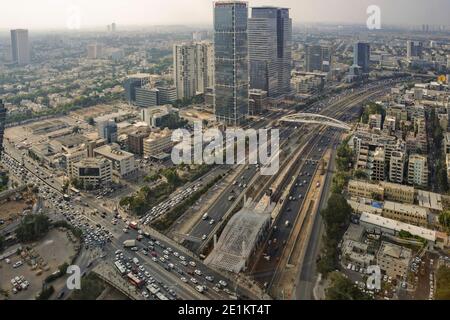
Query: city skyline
(51, 14)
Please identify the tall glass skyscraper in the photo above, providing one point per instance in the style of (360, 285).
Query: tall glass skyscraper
(284, 46)
(269, 37)
(231, 61)
(361, 56)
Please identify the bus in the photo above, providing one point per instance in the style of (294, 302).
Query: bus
(120, 267)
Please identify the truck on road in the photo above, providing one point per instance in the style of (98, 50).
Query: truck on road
(129, 243)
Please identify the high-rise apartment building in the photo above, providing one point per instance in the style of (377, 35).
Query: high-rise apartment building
(193, 68)
(418, 170)
(397, 167)
(205, 66)
(184, 68)
(317, 58)
(377, 167)
(361, 56)
(231, 61)
(20, 47)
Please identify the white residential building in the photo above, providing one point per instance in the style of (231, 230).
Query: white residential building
(418, 170)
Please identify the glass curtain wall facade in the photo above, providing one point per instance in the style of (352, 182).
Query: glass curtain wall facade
(231, 61)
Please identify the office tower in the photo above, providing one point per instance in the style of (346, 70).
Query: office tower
(231, 61)
(284, 43)
(414, 49)
(2, 125)
(263, 50)
(146, 97)
(108, 131)
(361, 56)
(20, 47)
(113, 27)
(317, 58)
(132, 82)
(166, 94)
(269, 49)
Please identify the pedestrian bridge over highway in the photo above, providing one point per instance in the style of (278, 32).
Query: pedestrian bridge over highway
(315, 119)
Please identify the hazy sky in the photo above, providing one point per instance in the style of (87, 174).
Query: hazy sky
(63, 13)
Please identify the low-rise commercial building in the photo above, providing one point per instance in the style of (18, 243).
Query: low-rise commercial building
(135, 140)
(157, 142)
(381, 191)
(393, 259)
(408, 213)
(363, 189)
(92, 172)
(398, 192)
(123, 162)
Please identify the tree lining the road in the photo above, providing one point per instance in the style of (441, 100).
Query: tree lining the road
(336, 218)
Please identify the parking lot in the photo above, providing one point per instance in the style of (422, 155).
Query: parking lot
(43, 258)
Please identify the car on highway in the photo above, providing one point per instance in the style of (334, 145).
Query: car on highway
(193, 280)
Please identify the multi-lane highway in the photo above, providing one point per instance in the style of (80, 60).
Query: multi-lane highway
(92, 224)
